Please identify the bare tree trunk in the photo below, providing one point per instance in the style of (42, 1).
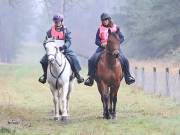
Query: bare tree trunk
(62, 6)
(3, 57)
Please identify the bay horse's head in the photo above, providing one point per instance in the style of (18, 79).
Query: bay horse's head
(113, 45)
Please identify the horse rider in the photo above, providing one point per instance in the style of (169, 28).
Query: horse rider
(101, 42)
(59, 32)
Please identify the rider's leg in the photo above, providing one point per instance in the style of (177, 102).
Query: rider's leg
(92, 62)
(44, 63)
(75, 65)
(125, 65)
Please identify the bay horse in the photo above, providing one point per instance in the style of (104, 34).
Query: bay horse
(60, 78)
(109, 75)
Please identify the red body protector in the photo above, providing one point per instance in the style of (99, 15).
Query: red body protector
(59, 35)
(103, 32)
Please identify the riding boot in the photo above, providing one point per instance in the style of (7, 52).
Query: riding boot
(92, 62)
(128, 78)
(79, 78)
(43, 78)
(125, 66)
(89, 81)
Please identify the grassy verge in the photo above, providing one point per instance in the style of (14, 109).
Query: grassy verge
(23, 98)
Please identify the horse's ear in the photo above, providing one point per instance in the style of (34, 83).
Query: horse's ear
(109, 31)
(118, 30)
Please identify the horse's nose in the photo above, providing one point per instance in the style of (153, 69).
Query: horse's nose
(116, 54)
(51, 59)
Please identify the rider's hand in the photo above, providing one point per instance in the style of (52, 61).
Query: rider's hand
(103, 45)
(44, 43)
(62, 47)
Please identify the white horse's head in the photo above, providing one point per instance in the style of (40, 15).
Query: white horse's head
(52, 49)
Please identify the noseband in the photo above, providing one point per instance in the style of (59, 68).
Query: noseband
(111, 53)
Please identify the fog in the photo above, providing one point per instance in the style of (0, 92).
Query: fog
(150, 27)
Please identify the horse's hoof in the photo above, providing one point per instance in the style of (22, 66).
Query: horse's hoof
(64, 118)
(107, 116)
(113, 117)
(56, 118)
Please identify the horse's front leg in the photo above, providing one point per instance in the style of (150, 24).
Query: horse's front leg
(64, 101)
(106, 98)
(68, 95)
(104, 91)
(114, 106)
(60, 102)
(56, 102)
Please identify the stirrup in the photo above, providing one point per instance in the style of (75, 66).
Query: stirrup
(89, 82)
(79, 78)
(130, 80)
(42, 79)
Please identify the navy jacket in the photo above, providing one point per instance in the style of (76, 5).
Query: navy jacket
(67, 37)
(98, 40)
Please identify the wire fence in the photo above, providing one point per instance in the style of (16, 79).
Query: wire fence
(158, 82)
(153, 81)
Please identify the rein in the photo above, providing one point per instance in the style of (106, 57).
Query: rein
(55, 56)
(109, 52)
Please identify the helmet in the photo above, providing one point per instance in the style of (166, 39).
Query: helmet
(105, 16)
(58, 17)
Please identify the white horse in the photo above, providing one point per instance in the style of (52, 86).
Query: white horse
(60, 78)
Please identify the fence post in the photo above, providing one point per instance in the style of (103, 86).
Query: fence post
(135, 73)
(179, 79)
(154, 79)
(142, 78)
(167, 82)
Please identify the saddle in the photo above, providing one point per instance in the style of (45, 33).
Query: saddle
(99, 57)
(69, 59)
(71, 64)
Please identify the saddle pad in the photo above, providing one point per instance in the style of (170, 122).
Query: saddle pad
(59, 43)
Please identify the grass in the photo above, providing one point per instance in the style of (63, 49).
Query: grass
(23, 98)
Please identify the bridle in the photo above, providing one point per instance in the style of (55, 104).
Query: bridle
(55, 57)
(111, 52)
(59, 65)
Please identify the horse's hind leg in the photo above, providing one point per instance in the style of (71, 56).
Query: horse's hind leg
(56, 103)
(111, 101)
(114, 101)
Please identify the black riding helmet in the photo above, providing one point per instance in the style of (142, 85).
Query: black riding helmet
(105, 16)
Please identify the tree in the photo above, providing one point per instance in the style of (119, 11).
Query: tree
(152, 27)
(16, 18)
